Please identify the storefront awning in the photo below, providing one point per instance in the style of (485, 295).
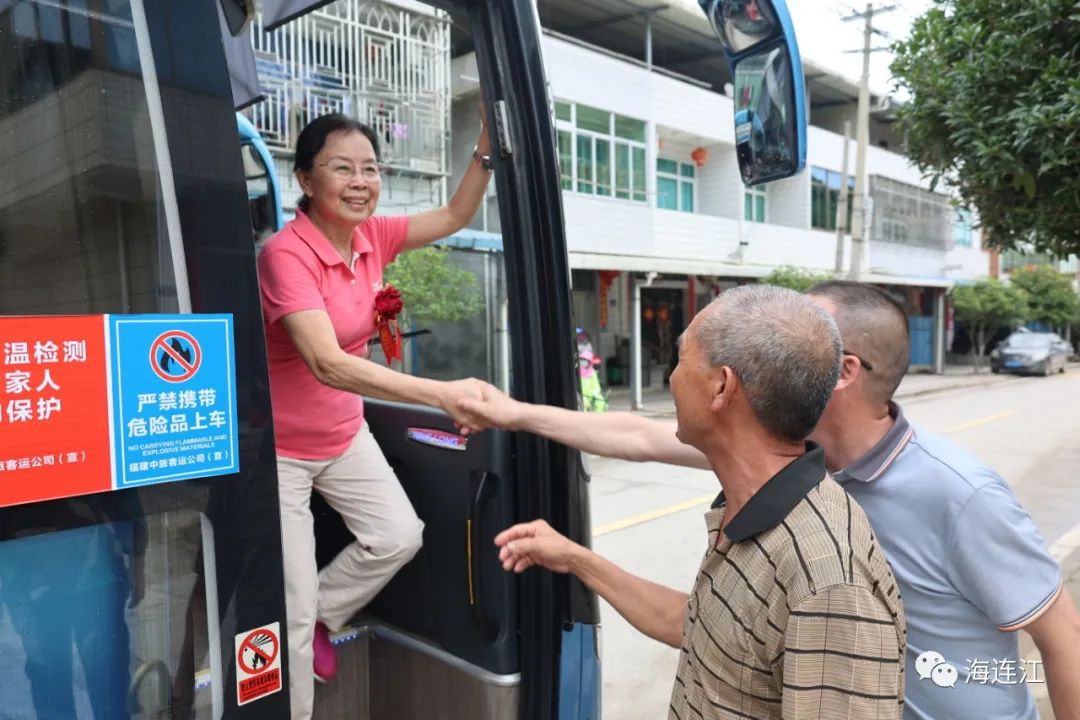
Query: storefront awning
(722, 269)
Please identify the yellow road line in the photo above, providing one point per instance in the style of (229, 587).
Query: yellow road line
(981, 421)
(652, 515)
(645, 517)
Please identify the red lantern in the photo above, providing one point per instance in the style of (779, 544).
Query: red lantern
(664, 314)
(700, 156)
(649, 314)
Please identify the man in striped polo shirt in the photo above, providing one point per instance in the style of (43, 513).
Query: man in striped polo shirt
(794, 612)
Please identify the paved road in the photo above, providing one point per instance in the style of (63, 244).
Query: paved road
(648, 518)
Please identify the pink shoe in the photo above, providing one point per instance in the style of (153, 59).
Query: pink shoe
(325, 654)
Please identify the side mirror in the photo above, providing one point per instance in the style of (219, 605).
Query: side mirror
(770, 93)
(262, 182)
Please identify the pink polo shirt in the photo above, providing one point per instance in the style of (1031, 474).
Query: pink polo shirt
(300, 270)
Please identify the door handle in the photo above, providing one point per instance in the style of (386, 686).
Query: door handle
(487, 486)
(438, 438)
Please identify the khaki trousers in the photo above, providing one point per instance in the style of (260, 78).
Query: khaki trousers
(362, 488)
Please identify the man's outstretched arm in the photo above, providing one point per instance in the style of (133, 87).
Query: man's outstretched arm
(620, 435)
(1057, 635)
(655, 610)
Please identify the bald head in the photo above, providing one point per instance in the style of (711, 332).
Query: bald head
(784, 349)
(874, 327)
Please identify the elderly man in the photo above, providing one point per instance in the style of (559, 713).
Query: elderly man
(971, 565)
(795, 612)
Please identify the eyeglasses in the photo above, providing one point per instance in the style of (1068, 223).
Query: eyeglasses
(866, 365)
(345, 172)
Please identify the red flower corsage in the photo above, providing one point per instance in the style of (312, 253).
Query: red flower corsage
(388, 304)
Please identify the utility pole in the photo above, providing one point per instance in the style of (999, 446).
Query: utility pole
(648, 40)
(862, 138)
(842, 205)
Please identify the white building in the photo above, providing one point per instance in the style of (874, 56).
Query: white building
(652, 196)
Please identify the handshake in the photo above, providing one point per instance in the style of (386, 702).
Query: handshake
(476, 405)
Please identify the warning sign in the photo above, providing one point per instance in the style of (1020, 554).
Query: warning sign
(54, 408)
(174, 405)
(95, 403)
(175, 356)
(258, 663)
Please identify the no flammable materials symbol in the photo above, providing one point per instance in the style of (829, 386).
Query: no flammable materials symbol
(175, 356)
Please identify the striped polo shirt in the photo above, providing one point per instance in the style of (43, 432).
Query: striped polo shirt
(794, 612)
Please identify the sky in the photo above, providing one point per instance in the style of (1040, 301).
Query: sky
(823, 36)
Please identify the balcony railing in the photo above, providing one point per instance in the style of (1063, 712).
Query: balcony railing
(385, 66)
(909, 215)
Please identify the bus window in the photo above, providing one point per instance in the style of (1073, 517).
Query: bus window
(124, 604)
(81, 223)
(95, 615)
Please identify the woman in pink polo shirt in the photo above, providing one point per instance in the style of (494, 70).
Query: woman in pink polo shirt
(319, 278)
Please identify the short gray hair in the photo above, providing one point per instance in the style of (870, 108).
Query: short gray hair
(784, 349)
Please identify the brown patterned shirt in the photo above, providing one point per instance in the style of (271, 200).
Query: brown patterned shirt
(795, 612)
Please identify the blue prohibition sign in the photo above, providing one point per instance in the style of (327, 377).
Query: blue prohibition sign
(174, 398)
(175, 356)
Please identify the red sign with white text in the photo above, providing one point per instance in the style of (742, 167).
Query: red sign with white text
(54, 408)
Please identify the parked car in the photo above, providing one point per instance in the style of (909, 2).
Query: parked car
(1031, 353)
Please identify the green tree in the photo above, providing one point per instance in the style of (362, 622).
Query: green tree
(794, 278)
(1050, 295)
(433, 287)
(994, 111)
(986, 306)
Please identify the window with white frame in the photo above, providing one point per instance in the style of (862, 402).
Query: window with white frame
(756, 204)
(893, 230)
(674, 185)
(600, 153)
(825, 198)
(962, 228)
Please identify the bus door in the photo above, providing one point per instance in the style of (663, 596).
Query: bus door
(453, 636)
